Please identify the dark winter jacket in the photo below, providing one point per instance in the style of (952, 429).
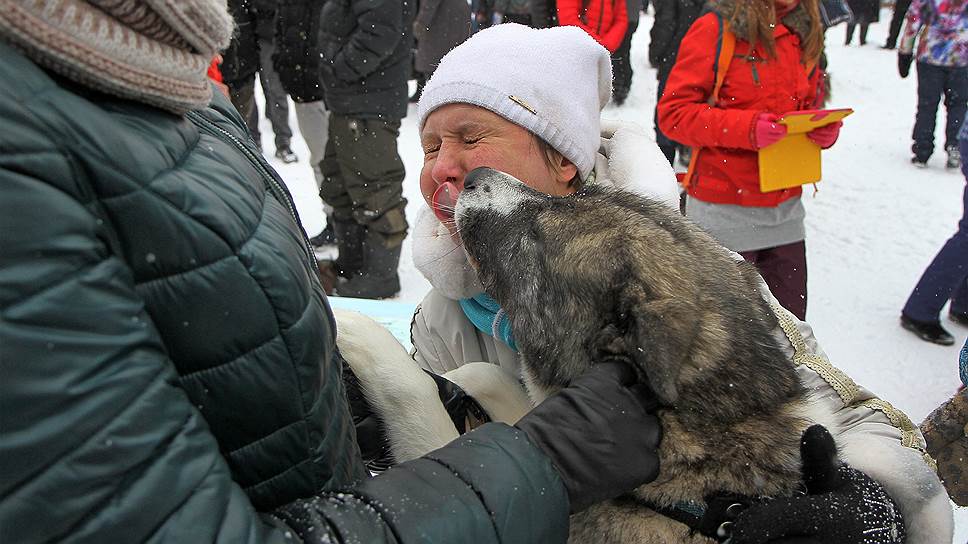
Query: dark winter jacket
(241, 60)
(604, 20)
(297, 57)
(366, 53)
(440, 26)
(672, 19)
(167, 351)
(727, 168)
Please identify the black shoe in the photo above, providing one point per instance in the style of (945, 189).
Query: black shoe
(325, 238)
(888, 47)
(929, 331)
(286, 155)
(919, 163)
(960, 318)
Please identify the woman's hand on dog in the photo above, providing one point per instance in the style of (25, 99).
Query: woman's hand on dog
(600, 433)
(842, 505)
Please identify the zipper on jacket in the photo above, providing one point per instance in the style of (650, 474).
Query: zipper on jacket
(273, 185)
(752, 60)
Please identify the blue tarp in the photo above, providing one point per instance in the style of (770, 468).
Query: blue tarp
(395, 316)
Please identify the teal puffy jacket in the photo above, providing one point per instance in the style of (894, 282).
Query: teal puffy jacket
(166, 352)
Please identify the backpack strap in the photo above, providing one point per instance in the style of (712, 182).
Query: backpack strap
(725, 46)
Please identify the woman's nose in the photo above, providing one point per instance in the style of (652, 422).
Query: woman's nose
(447, 166)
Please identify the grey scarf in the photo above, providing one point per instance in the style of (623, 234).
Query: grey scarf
(151, 51)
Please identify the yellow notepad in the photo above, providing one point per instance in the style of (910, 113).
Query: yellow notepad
(795, 159)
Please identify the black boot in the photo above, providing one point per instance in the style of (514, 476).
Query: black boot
(378, 277)
(929, 331)
(325, 238)
(349, 240)
(863, 34)
(850, 34)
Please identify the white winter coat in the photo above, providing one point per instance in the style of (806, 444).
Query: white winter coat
(873, 436)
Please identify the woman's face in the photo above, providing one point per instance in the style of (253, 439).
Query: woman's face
(458, 138)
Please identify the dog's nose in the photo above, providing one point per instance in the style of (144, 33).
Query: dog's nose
(472, 177)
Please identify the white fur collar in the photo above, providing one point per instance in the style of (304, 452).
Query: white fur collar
(628, 159)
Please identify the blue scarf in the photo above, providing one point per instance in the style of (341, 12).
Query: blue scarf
(486, 314)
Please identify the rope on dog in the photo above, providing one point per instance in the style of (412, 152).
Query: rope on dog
(847, 389)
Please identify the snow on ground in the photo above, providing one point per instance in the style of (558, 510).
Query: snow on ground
(874, 225)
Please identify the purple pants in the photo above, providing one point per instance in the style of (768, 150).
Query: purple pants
(784, 268)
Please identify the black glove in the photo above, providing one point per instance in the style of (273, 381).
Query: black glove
(842, 505)
(600, 434)
(904, 61)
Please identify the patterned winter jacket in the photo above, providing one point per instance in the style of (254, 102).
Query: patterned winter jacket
(943, 29)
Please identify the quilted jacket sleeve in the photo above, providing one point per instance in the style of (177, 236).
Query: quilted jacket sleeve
(684, 114)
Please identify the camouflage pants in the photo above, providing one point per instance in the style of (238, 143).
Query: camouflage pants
(363, 176)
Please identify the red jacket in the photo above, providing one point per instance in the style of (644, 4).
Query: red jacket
(605, 20)
(727, 170)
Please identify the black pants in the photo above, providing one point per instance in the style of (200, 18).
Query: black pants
(947, 275)
(667, 146)
(933, 83)
(622, 66)
(897, 20)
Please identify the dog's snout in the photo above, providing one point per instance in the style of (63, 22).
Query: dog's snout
(474, 178)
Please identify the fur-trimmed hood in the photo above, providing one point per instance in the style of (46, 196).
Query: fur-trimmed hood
(628, 158)
(797, 20)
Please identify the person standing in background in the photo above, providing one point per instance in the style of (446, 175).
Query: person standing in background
(774, 70)
(622, 57)
(941, 32)
(366, 54)
(897, 21)
(672, 19)
(946, 278)
(249, 53)
(297, 60)
(277, 101)
(865, 12)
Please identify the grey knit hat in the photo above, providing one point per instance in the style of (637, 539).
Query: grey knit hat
(151, 51)
(552, 81)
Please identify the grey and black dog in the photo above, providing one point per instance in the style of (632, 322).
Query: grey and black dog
(606, 273)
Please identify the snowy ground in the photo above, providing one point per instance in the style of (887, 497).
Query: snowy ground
(871, 229)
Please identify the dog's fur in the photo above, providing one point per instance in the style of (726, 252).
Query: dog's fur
(606, 273)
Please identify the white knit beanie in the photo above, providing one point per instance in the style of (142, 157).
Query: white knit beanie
(552, 81)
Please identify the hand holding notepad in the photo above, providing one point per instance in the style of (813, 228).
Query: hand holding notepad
(795, 159)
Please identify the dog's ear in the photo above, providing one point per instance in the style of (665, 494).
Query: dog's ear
(659, 337)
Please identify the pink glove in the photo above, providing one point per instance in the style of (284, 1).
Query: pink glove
(767, 130)
(826, 135)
